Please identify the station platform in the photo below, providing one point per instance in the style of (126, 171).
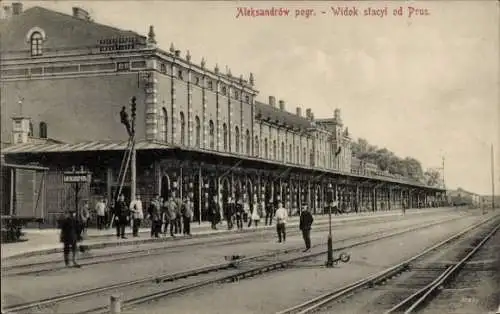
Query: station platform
(46, 241)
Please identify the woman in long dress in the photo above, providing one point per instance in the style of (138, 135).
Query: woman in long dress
(256, 210)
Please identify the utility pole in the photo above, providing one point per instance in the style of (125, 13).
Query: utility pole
(133, 179)
(444, 184)
(492, 179)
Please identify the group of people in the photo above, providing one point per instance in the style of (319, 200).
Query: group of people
(241, 213)
(174, 211)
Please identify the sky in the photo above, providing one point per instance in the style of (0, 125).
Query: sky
(424, 86)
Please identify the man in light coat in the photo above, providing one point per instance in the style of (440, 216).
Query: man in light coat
(137, 215)
(281, 217)
(100, 209)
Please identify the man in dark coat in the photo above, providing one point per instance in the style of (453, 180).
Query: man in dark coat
(70, 235)
(306, 220)
(239, 212)
(270, 209)
(154, 213)
(122, 214)
(230, 211)
(214, 212)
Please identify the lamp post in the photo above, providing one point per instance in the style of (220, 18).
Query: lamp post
(329, 261)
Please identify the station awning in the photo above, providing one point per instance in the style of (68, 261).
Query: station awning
(80, 147)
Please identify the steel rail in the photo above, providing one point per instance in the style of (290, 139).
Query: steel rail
(214, 267)
(318, 302)
(119, 256)
(417, 300)
(254, 271)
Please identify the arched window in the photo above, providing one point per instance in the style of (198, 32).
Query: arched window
(290, 153)
(164, 124)
(30, 132)
(183, 129)
(224, 134)
(257, 152)
(304, 155)
(36, 41)
(248, 142)
(275, 156)
(197, 125)
(211, 132)
(266, 149)
(282, 152)
(297, 152)
(237, 139)
(43, 130)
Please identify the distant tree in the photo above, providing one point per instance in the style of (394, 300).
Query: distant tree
(432, 177)
(386, 160)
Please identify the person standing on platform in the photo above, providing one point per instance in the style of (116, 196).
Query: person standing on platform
(100, 209)
(69, 236)
(109, 214)
(230, 211)
(154, 214)
(269, 213)
(178, 214)
(306, 220)
(163, 204)
(214, 212)
(281, 217)
(85, 216)
(246, 211)
(187, 215)
(256, 214)
(137, 214)
(239, 212)
(122, 216)
(172, 208)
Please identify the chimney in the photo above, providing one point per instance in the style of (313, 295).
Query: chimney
(282, 105)
(308, 113)
(299, 111)
(17, 8)
(272, 101)
(177, 53)
(81, 14)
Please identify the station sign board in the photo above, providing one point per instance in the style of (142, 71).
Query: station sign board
(76, 177)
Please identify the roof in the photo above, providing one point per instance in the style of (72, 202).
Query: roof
(80, 147)
(62, 30)
(275, 115)
(27, 167)
(148, 145)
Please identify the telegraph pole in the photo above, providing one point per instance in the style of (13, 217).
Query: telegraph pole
(133, 183)
(492, 179)
(444, 184)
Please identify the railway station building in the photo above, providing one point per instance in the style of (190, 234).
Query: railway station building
(200, 131)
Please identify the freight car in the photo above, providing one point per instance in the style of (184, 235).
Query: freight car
(23, 197)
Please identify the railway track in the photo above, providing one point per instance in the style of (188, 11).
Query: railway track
(476, 288)
(403, 295)
(152, 288)
(19, 268)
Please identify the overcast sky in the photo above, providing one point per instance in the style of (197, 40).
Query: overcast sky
(424, 86)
